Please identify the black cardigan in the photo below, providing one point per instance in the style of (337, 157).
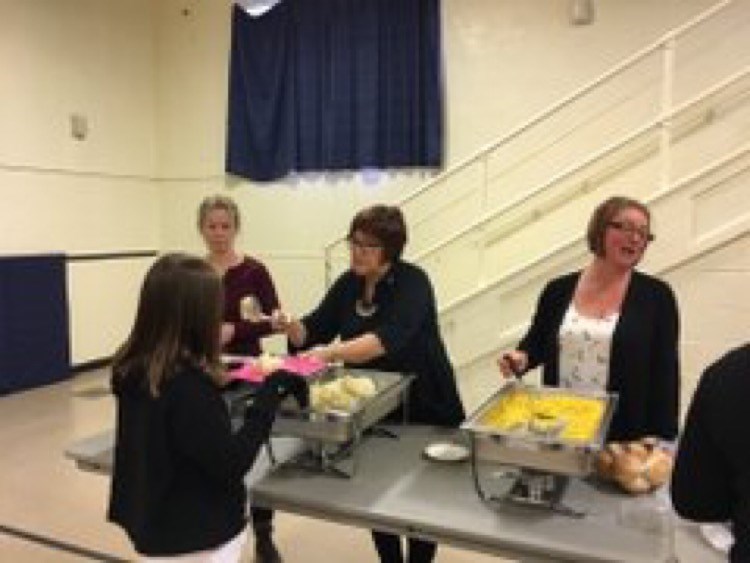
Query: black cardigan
(644, 365)
(177, 485)
(711, 479)
(405, 322)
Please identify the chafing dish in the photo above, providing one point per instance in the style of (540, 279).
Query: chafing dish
(556, 437)
(332, 435)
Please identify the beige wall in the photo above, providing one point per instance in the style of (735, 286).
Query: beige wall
(504, 61)
(151, 79)
(80, 196)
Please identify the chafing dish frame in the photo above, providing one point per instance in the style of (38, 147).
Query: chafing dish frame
(332, 436)
(540, 465)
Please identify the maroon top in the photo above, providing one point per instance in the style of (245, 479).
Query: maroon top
(249, 277)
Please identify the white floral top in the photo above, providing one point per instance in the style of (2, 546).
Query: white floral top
(585, 347)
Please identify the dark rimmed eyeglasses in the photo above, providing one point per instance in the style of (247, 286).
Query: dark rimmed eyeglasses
(363, 244)
(642, 233)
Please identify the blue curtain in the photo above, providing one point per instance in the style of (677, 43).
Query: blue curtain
(335, 85)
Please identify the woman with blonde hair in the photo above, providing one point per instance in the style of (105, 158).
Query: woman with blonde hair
(244, 279)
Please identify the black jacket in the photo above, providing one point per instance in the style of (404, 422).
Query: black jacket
(711, 479)
(404, 318)
(644, 364)
(177, 485)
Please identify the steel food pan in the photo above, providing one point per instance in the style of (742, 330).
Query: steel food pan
(552, 452)
(338, 426)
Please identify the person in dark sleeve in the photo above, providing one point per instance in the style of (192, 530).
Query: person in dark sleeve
(381, 314)
(177, 485)
(711, 478)
(245, 279)
(610, 327)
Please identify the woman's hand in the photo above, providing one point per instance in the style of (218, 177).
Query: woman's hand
(513, 363)
(286, 324)
(320, 352)
(280, 320)
(326, 353)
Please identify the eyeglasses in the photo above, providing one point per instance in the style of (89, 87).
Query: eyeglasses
(363, 244)
(630, 229)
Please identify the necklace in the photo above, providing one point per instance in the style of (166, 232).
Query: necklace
(365, 309)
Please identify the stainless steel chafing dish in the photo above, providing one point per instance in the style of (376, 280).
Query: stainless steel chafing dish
(538, 456)
(332, 435)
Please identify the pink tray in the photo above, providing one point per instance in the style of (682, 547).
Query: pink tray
(301, 365)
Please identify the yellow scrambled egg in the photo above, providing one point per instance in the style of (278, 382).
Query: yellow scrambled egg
(579, 417)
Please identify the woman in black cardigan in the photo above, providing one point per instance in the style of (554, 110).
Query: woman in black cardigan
(612, 327)
(177, 486)
(381, 314)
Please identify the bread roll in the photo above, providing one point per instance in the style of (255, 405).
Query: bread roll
(336, 395)
(638, 450)
(604, 464)
(360, 387)
(627, 467)
(638, 467)
(650, 442)
(658, 467)
(316, 402)
(637, 485)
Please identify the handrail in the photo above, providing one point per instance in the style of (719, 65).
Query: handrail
(544, 114)
(582, 91)
(572, 170)
(686, 180)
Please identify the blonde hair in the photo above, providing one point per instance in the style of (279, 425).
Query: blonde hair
(222, 202)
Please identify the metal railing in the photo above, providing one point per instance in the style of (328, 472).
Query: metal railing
(575, 247)
(667, 44)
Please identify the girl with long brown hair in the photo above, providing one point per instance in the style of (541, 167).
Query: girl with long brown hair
(177, 487)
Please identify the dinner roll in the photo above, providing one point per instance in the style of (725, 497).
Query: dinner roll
(604, 464)
(637, 467)
(360, 387)
(638, 449)
(659, 467)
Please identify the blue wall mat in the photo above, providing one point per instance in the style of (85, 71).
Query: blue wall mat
(34, 341)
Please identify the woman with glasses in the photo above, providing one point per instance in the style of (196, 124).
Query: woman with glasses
(610, 327)
(381, 314)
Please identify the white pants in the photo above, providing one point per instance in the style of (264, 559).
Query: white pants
(230, 552)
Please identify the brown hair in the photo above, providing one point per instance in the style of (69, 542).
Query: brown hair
(221, 202)
(603, 215)
(177, 323)
(384, 223)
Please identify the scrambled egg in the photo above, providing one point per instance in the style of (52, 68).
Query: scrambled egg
(578, 418)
